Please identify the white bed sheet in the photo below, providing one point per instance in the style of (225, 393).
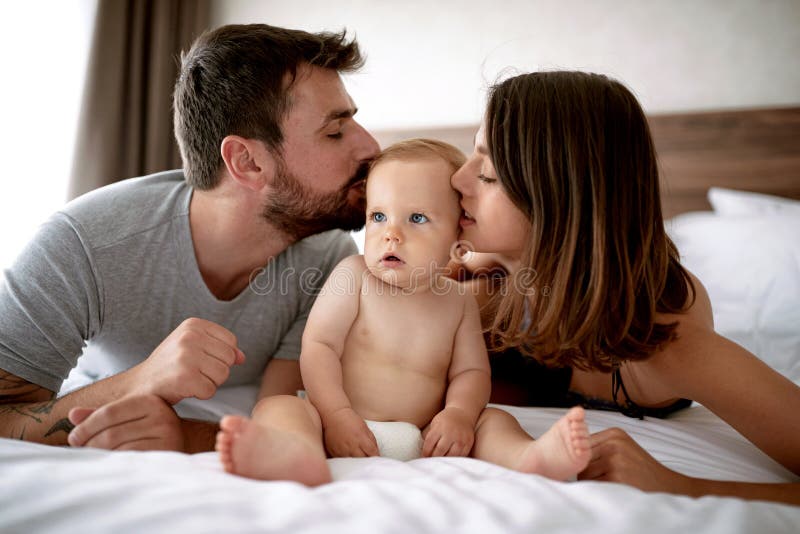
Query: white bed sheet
(51, 489)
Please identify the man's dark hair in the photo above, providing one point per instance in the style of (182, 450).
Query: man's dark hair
(233, 81)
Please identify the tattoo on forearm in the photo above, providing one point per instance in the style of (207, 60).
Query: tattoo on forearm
(29, 410)
(43, 408)
(18, 397)
(20, 410)
(61, 425)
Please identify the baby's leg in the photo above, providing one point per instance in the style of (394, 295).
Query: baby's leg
(282, 441)
(560, 453)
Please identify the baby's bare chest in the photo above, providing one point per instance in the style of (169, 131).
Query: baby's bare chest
(416, 330)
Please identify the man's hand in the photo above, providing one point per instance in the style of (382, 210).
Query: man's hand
(143, 422)
(347, 435)
(616, 457)
(450, 433)
(193, 361)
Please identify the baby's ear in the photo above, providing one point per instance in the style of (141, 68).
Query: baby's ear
(248, 161)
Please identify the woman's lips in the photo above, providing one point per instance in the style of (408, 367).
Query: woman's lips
(466, 219)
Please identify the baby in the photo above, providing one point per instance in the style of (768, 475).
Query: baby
(393, 359)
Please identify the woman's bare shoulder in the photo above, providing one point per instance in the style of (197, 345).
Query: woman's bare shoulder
(683, 355)
(698, 315)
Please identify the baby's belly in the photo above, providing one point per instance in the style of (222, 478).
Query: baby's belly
(384, 392)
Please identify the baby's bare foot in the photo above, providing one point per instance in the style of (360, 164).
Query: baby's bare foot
(562, 452)
(256, 451)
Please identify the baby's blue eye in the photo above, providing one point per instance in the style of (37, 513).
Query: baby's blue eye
(418, 218)
(378, 216)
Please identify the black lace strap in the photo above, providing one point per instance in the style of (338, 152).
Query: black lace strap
(630, 408)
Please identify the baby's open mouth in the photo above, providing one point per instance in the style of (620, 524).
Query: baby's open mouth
(390, 258)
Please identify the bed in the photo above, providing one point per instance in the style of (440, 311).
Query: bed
(707, 160)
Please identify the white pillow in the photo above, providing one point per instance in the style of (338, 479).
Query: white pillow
(733, 202)
(750, 266)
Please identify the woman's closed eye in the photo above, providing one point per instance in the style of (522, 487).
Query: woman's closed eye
(418, 218)
(485, 179)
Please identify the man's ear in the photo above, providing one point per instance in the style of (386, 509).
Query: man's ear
(247, 161)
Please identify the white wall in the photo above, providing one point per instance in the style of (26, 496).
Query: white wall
(43, 52)
(431, 61)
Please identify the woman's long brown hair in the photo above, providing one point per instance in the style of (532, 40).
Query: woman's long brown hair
(573, 151)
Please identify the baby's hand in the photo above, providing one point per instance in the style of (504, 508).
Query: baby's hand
(347, 435)
(450, 433)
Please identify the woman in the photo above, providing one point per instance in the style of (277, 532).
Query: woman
(563, 187)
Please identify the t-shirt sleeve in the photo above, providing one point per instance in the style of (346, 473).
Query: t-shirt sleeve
(49, 305)
(310, 282)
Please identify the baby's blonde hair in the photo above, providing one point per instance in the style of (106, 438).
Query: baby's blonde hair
(419, 148)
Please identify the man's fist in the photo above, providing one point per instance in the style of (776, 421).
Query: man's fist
(193, 361)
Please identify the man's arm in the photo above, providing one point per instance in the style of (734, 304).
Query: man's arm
(140, 422)
(32, 413)
(191, 362)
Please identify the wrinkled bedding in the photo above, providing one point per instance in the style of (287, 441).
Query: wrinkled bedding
(52, 489)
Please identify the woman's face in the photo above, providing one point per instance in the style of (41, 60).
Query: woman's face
(490, 222)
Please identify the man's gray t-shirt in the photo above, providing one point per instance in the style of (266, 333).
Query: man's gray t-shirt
(114, 272)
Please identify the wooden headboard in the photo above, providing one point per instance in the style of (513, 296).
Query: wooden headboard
(753, 150)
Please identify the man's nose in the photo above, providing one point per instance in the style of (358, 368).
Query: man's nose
(368, 147)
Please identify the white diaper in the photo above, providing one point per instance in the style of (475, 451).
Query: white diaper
(397, 439)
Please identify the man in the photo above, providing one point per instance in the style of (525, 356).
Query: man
(176, 283)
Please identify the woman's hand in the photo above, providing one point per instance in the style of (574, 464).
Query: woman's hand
(616, 457)
(450, 433)
(347, 435)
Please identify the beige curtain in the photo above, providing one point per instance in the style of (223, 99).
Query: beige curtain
(125, 127)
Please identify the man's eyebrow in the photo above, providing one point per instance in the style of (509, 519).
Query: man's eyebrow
(338, 114)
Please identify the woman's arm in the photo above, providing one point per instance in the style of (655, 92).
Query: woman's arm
(701, 365)
(742, 390)
(761, 404)
(616, 457)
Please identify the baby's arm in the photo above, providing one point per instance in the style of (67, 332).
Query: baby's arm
(452, 431)
(330, 320)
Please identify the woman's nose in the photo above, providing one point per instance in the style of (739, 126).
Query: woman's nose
(458, 182)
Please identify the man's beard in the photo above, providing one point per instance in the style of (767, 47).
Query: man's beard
(299, 212)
